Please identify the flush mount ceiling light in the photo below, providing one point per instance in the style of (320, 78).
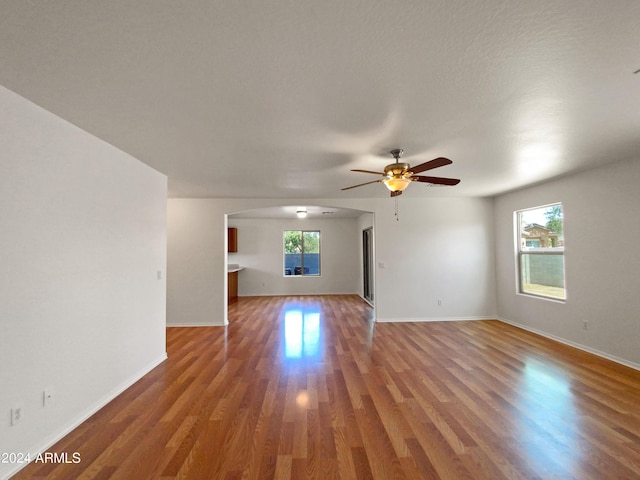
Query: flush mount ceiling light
(301, 213)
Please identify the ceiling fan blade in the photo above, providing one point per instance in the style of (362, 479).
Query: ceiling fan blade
(436, 180)
(361, 184)
(368, 171)
(396, 193)
(435, 163)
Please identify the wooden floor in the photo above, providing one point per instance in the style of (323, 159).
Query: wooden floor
(309, 387)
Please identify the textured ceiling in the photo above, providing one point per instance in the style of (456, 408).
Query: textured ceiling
(282, 99)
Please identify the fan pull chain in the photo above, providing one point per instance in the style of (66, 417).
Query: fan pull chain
(396, 214)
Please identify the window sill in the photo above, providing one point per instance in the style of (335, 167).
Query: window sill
(542, 297)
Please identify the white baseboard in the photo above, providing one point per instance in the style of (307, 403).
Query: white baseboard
(579, 346)
(83, 416)
(431, 319)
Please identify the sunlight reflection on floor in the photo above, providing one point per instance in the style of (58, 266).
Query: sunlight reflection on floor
(547, 397)
(301, 334)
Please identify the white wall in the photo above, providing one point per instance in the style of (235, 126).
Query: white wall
(260, 252)
(82, 237)
(442, 248)
(196, 271)
(602, 265)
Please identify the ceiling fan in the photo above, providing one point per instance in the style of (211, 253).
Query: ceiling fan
(398, 175)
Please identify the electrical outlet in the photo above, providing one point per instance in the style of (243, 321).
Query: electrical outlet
(439, 302)
(17, 414)
(585, 325)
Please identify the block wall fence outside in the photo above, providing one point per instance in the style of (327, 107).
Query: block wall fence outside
(293, 263)
(543, 269)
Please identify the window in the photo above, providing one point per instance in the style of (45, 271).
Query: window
(301, 252)
(540, 250)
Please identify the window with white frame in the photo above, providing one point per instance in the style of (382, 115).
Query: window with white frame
(301, 252)
(540, 251)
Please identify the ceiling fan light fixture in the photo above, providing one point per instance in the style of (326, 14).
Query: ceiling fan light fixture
(397, 184)
(398, 175)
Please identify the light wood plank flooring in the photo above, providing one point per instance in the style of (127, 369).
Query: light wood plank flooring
(309, 387)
